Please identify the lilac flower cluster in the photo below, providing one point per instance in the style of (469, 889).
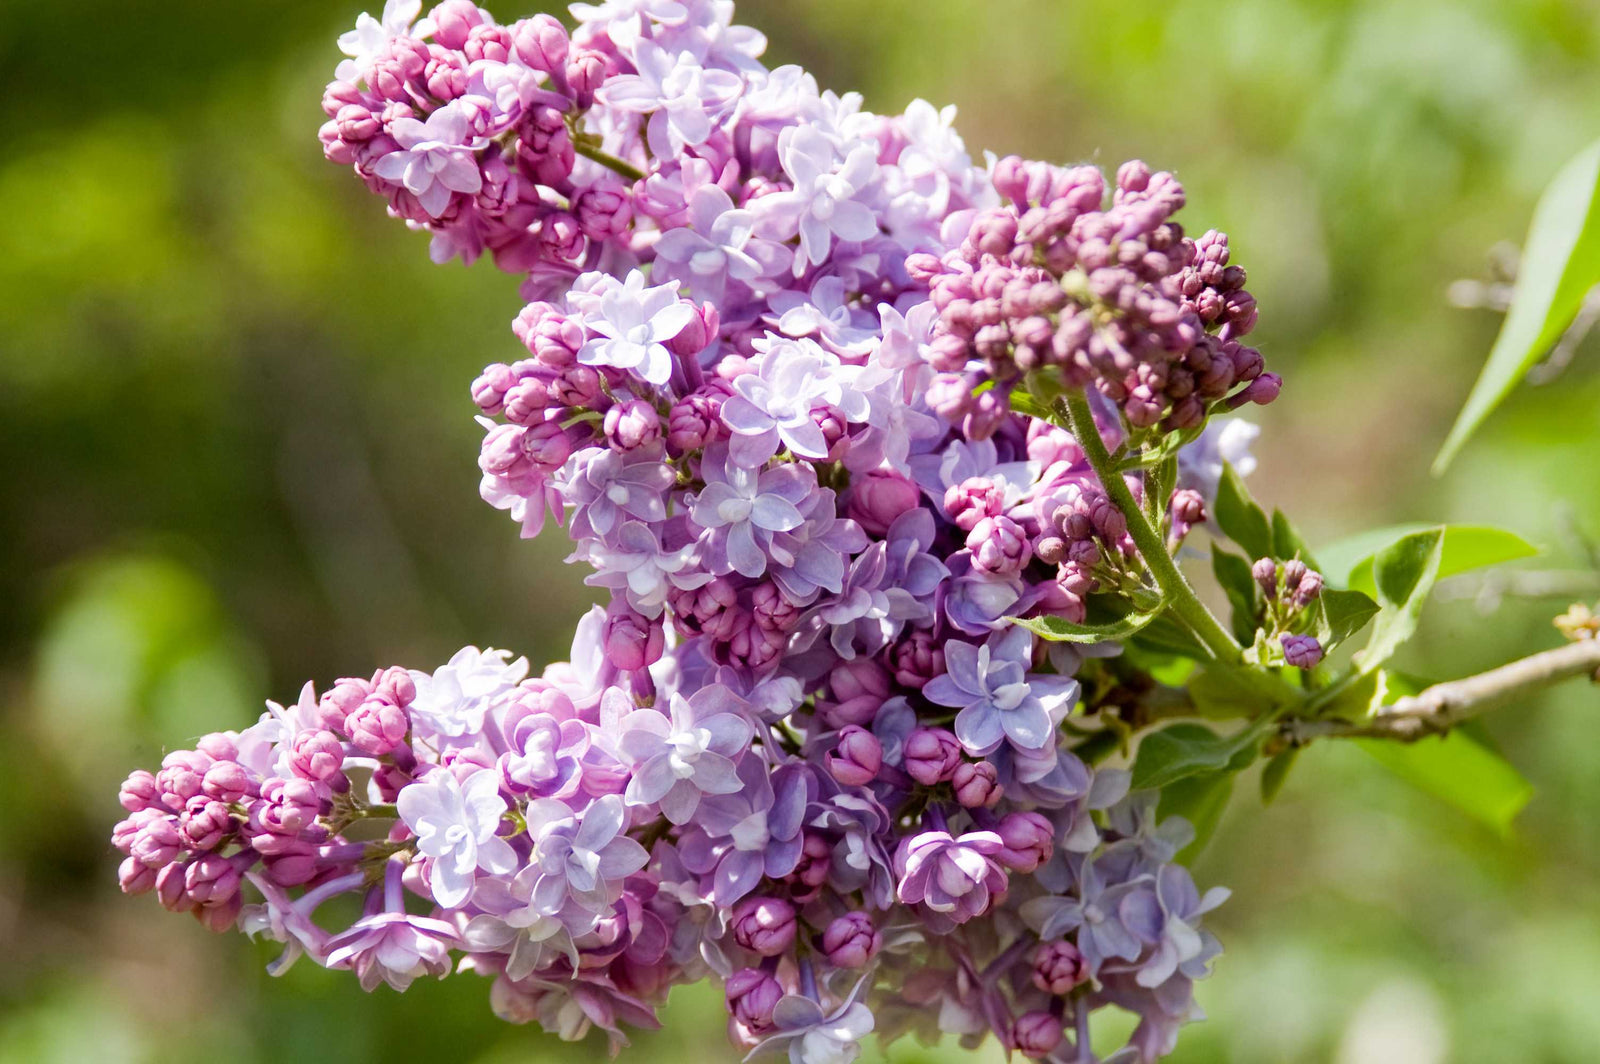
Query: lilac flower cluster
(1111, 294)
(806, 749)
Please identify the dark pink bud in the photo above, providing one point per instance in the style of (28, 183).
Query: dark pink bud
(526, 401)
(294, 863)
(135, 877)
(1188, 506)
(1265, 571)
(547, 445)
(586, 70)
(771, 609)
(857, 678)
(695, 421)
(851, 941)
(752, 994)
(205, 823)
(158, 843)
(999, 546)
(286, 807)
(211, 879)
(171, 890)
(1029, 841)
(816, 861)
(1301, 651)
(221, 916)
(973, 500)
(228, 781)
(1036, 1033)
(489, 390)
(764, 925)
(976, 785)
(604, 212)
(1058, 968)
(856, 757)
(1309, 588)
(340, 700)
(878, 498)
(931, 755)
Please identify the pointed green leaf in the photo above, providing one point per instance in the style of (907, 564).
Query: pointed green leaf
(1404, 573)
(1348, 562)
(1338, 615)
(1222, 692)
(1240, 519)
(1060, 630)
(1560, 264)
(1181, 750)
(1286, 541)
(1199, 799)
(1460, 770)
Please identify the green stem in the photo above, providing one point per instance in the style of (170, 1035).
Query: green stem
(1179, 594)
(610, 162)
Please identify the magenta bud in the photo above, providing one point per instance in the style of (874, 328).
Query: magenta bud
(340, 701)
(170, 889)
(377, 726)
(218, 745)
(1301, 651)
(970, 501)
(851, 941)
(1036, 1033)
(221, 916)
(916, 659)
(1265, 572)
(751, 995)
(856, 757)
(211, 879)
(1058, 968)
(228, 781)
(135, 877)
(541, 42)
(931, 755)
(699, 334)
(158, 843)
(976, 784)
(205, 823)
(764, 925)
(632, 641)
(453, 22)
(858, 678)
(286, 807)
(1029, 840)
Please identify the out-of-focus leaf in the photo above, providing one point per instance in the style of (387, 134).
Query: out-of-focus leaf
(1560, 264)
(1233, 574)
(1460, 770)
(1276, 774)
(1182, 750)
(1199, 799)
(1239, 517)
(1348, 562)
(1222, 692)
(1163, 635)
(1404, 573)
(1286, 541)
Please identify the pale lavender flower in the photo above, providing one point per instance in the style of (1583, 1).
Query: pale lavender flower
(825, 313)
(453, 700)
(812, 557)
(1099, 914)
(605, 487)
(545, 758)
(772, 406)
(741, 510)
(998, 698)
(636, 564)
(815, 1036)
(455, 825)
(717, 244)
(678, 759)
(583, 858)
(393, 946)
(634, 323)
(957, 878)
(435, 158)
(748, 834)
(372, 35)
(684, 100)
(822, 204)
(510, 923)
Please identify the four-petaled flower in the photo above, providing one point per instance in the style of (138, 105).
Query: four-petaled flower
(435, 158)
(999, 699)
(677, 759)
(634, 323)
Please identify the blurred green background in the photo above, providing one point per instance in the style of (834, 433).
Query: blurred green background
(236, 451)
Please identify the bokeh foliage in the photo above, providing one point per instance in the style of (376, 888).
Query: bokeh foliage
(236, 452)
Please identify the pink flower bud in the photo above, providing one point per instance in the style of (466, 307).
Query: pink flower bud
(752, 994)
(1058, 968)
(879, 497)
(541, 42)
(1265, 572)
(228, 781)
(931, 755)
(857, 678)
(816, 861)
(851, 941)
(340, 700)
(976, 785)
(135, 877)
(1029, 840)
(632, 641)
(1301, 651)
(764, 925)
(489, 390)
(916, 659)
(699, 334)
(377, 726)
(221, 916)
(158, 843)
(972, 500)
(856, 757)
(1036, 1033)
(695, 421)
(999, 546)
(293, 865)
(286, 806)
(604, 212)
(170, 889)
(316, 755)
(205, 823)
(211, 879)
(139, 791)
(632, 425)
(453, 20)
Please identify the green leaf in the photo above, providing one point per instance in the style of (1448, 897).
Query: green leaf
(1163, 635)
(1182, 750)
(1404, 573)
(1027, 404)
(1060, 630)
(1199, 799)
(1460, 770)
(1348, 562)
(1233, 574)
(1286, 541)
(1222, 692)
(1560, 264)
(1239, 517)
(1276, 774)
(1339, 615)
